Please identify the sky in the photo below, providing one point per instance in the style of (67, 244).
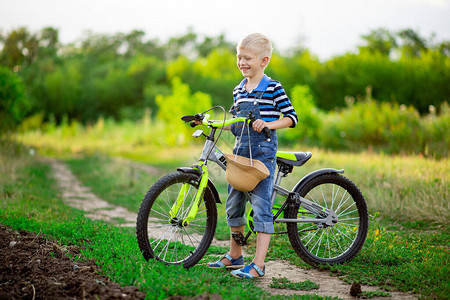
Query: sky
(326, 27)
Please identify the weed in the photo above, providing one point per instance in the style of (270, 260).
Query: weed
(284, 283)
(371, 294)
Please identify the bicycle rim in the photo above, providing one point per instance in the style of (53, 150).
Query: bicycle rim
(338, 243)
(167, 237)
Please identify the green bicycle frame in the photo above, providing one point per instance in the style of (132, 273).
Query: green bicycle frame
(198, 197)
(202, 167)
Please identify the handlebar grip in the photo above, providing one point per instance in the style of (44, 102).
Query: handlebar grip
(266, 132)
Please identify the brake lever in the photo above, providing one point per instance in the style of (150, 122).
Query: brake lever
(190, 118)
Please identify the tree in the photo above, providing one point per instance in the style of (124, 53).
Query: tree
(379, 40)
(13, 102)
(211, 44)
(19, 47)
(412, 43)
(182, 45)
(136, 45)
(48, 41)
(172, 107)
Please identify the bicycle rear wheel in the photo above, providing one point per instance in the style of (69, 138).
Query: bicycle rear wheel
(319, 243)
(162, 234)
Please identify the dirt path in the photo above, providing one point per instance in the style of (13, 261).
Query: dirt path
(79, 196)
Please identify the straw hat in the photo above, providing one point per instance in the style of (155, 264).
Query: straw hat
(244, 174)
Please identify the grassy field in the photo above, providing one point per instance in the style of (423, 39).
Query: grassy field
(407, 246)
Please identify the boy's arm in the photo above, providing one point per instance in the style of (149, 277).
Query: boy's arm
(284, 122)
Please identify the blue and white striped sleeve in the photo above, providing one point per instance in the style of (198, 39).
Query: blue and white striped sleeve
(284, 105)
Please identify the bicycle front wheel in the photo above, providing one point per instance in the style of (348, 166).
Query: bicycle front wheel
(161, 229)
(334, 244)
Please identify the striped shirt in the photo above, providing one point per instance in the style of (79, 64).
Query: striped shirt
(273, 102)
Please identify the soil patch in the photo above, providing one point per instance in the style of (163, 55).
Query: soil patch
(34, 267)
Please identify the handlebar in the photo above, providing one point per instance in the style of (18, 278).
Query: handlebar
(204, 118)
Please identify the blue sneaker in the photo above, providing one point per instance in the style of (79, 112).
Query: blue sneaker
(236, 263)
(245, 272)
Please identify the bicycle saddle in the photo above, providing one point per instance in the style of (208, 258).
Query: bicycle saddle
(293, 158)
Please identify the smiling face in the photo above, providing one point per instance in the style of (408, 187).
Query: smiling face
(249, 63)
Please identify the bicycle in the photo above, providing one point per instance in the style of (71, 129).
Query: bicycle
(325, 213)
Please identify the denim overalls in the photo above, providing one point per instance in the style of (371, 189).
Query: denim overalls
(263, 149)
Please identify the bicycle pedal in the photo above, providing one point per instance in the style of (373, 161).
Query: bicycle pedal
(238, 237)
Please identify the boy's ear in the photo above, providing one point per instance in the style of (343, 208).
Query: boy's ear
(265, 61)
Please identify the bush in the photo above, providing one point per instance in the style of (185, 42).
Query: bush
(172, 107)
(387, 127)
(418, 81)
(436, 128)
(309, 117)
(372, 124)
(14, 105)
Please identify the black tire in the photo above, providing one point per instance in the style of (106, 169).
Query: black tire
(164, 237)
(334, 244)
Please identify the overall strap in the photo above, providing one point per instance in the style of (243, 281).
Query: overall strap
(259, 95)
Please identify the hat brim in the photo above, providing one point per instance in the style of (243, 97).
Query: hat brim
(244, 174)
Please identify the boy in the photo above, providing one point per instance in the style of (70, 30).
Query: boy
(266, 99)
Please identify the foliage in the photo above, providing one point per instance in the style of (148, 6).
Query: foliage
(299, 69)
(215, 74)
(172, 107)
(310, 117)
(120, 75)
(388, 127)
(14, 104)
(410, 80)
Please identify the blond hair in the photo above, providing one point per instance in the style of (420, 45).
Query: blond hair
(258, 43)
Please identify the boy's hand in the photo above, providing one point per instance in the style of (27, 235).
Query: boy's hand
(259, 125)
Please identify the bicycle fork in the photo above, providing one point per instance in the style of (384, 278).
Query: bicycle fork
(197, 200)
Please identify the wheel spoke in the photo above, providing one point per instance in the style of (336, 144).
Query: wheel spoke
(189, 236)
(313, 235)
(348, 219)
(166, 246)
(343, 234)
(340, 205)
(318, 243)
(161, 233)
(324, 198)
(335, 243)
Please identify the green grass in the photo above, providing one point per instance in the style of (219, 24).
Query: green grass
(119, 183)
(410, 256)
(284, 283)
(30, 201)
(406, 249)
(371, 294)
